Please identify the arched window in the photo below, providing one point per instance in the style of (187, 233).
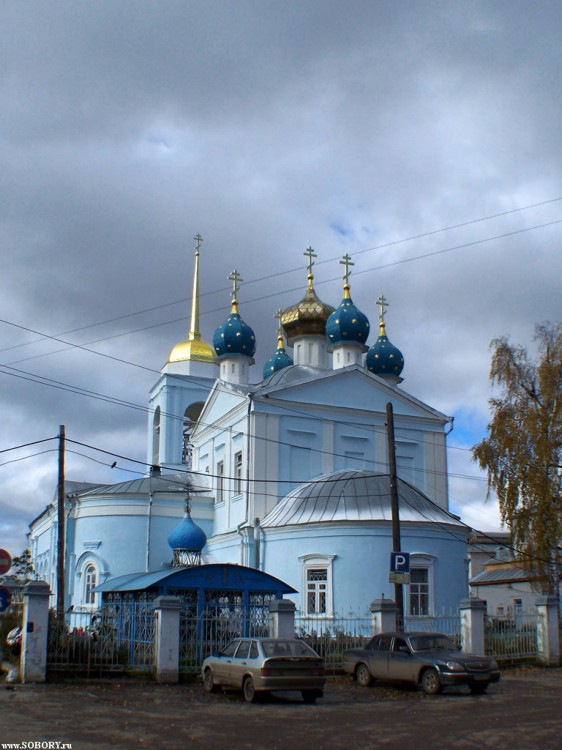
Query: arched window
(156, 437)
(190, 417)
(90, 582)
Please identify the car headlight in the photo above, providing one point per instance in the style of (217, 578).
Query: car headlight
(454, 666)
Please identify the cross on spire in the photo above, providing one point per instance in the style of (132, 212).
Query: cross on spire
(198, 239)
(346, 261)
(382, 303)
(311, 254)
(235, 278)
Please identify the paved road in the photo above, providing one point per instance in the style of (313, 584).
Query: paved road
(523, 712)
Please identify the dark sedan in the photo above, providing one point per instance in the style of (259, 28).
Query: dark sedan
(260, 665)
(431, 660)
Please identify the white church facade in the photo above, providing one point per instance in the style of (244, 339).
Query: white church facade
(289, 475)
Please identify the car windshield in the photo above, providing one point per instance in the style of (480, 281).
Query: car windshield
(286, 648)
(432, 642)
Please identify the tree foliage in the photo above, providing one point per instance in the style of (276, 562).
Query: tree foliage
(523, 451)
(22, 567)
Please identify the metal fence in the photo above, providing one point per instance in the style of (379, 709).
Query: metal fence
(332, 637)
(512, 637)
(114, 638)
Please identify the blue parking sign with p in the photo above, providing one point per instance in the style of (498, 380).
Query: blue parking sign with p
(400, 562)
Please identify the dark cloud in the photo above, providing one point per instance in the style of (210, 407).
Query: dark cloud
(361, 127)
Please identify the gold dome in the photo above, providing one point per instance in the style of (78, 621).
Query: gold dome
(192, 350)
(308, 317)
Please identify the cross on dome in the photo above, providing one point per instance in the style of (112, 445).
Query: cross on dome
(235, 278)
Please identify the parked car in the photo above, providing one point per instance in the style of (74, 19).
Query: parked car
(259, 665)
(431, 660)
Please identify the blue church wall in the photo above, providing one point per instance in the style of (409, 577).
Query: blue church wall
(300, 450)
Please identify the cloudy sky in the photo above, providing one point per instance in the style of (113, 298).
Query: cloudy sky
(422, 138)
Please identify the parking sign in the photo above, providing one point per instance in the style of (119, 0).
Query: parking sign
(399, 567)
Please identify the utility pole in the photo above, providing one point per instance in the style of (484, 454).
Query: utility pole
(398, 595)
(60, 527)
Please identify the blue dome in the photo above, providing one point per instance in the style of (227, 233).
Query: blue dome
(234, 337)
(187, 535)
(347, 324)
(277, 362)
(383, 358)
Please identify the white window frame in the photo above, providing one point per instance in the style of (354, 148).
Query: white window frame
(315, 562)
(90, 570)
(219, 496)
(422, 561)
(238, 471)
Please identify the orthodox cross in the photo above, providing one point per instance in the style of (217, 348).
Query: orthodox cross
(346, 261)
(382, 303)
(235, 278)
(311, 254)
(198, 239)
(277, 316)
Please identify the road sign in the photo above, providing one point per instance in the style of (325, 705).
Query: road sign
(399, 567)
(5, 561)
(5, 598)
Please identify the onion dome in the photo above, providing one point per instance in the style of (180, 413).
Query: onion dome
(383, 358)
(193, 349)
(234, 336)
(347, 324)
(187, 541)
(280, 359)
(308, 317)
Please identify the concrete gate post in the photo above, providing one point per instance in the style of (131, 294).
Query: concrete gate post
(167, 638)
(35, 626)
(472, 611)
(282, 619)
(548, 640)
(383, 616)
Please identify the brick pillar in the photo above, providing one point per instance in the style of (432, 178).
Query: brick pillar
(35, 631)
(548, 640)
(281, 619)
(473, 612)
(167, 638)
(383, 616)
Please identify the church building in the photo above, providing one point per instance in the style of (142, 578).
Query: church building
(288, 475)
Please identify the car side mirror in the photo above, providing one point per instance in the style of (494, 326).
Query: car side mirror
(404, 649)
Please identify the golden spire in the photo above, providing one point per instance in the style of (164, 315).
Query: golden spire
(280, 339)
(346, 261)
(382, 303)
(193, 349)
(311, 254)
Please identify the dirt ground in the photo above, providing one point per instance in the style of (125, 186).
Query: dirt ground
(522, 712)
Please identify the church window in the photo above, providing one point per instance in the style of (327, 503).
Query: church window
(219, 498)
(316, 590)
(90, 582)
(238, 473)
(317, 585)
(156, 437)
(419, 591)
(190, 417)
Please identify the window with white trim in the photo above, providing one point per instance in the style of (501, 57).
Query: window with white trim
(90, 582)
(419, 591)
(219, 497)
(317, 585)
(238, 473)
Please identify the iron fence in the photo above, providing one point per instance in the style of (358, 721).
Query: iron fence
(113, 638)
(512, 637)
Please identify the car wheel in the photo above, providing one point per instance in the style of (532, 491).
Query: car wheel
(478, 688)
(310, 696)
(209, 684)
(363, 676)
(249, 690)
(430, 682)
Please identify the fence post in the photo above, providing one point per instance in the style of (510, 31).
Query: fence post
(548, 642)
(383, 616)
(167, 638)
(472, 611)
(281, 618)
(35, 628)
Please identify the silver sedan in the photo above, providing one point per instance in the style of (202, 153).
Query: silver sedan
(260, 665)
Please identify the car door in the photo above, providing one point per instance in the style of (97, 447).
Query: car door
(378, 651)
(401, 662)
(239, 663)
(222, 665)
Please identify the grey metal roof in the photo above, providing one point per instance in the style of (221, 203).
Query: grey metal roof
(355, 496)
(499, 574)
(143, 486)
